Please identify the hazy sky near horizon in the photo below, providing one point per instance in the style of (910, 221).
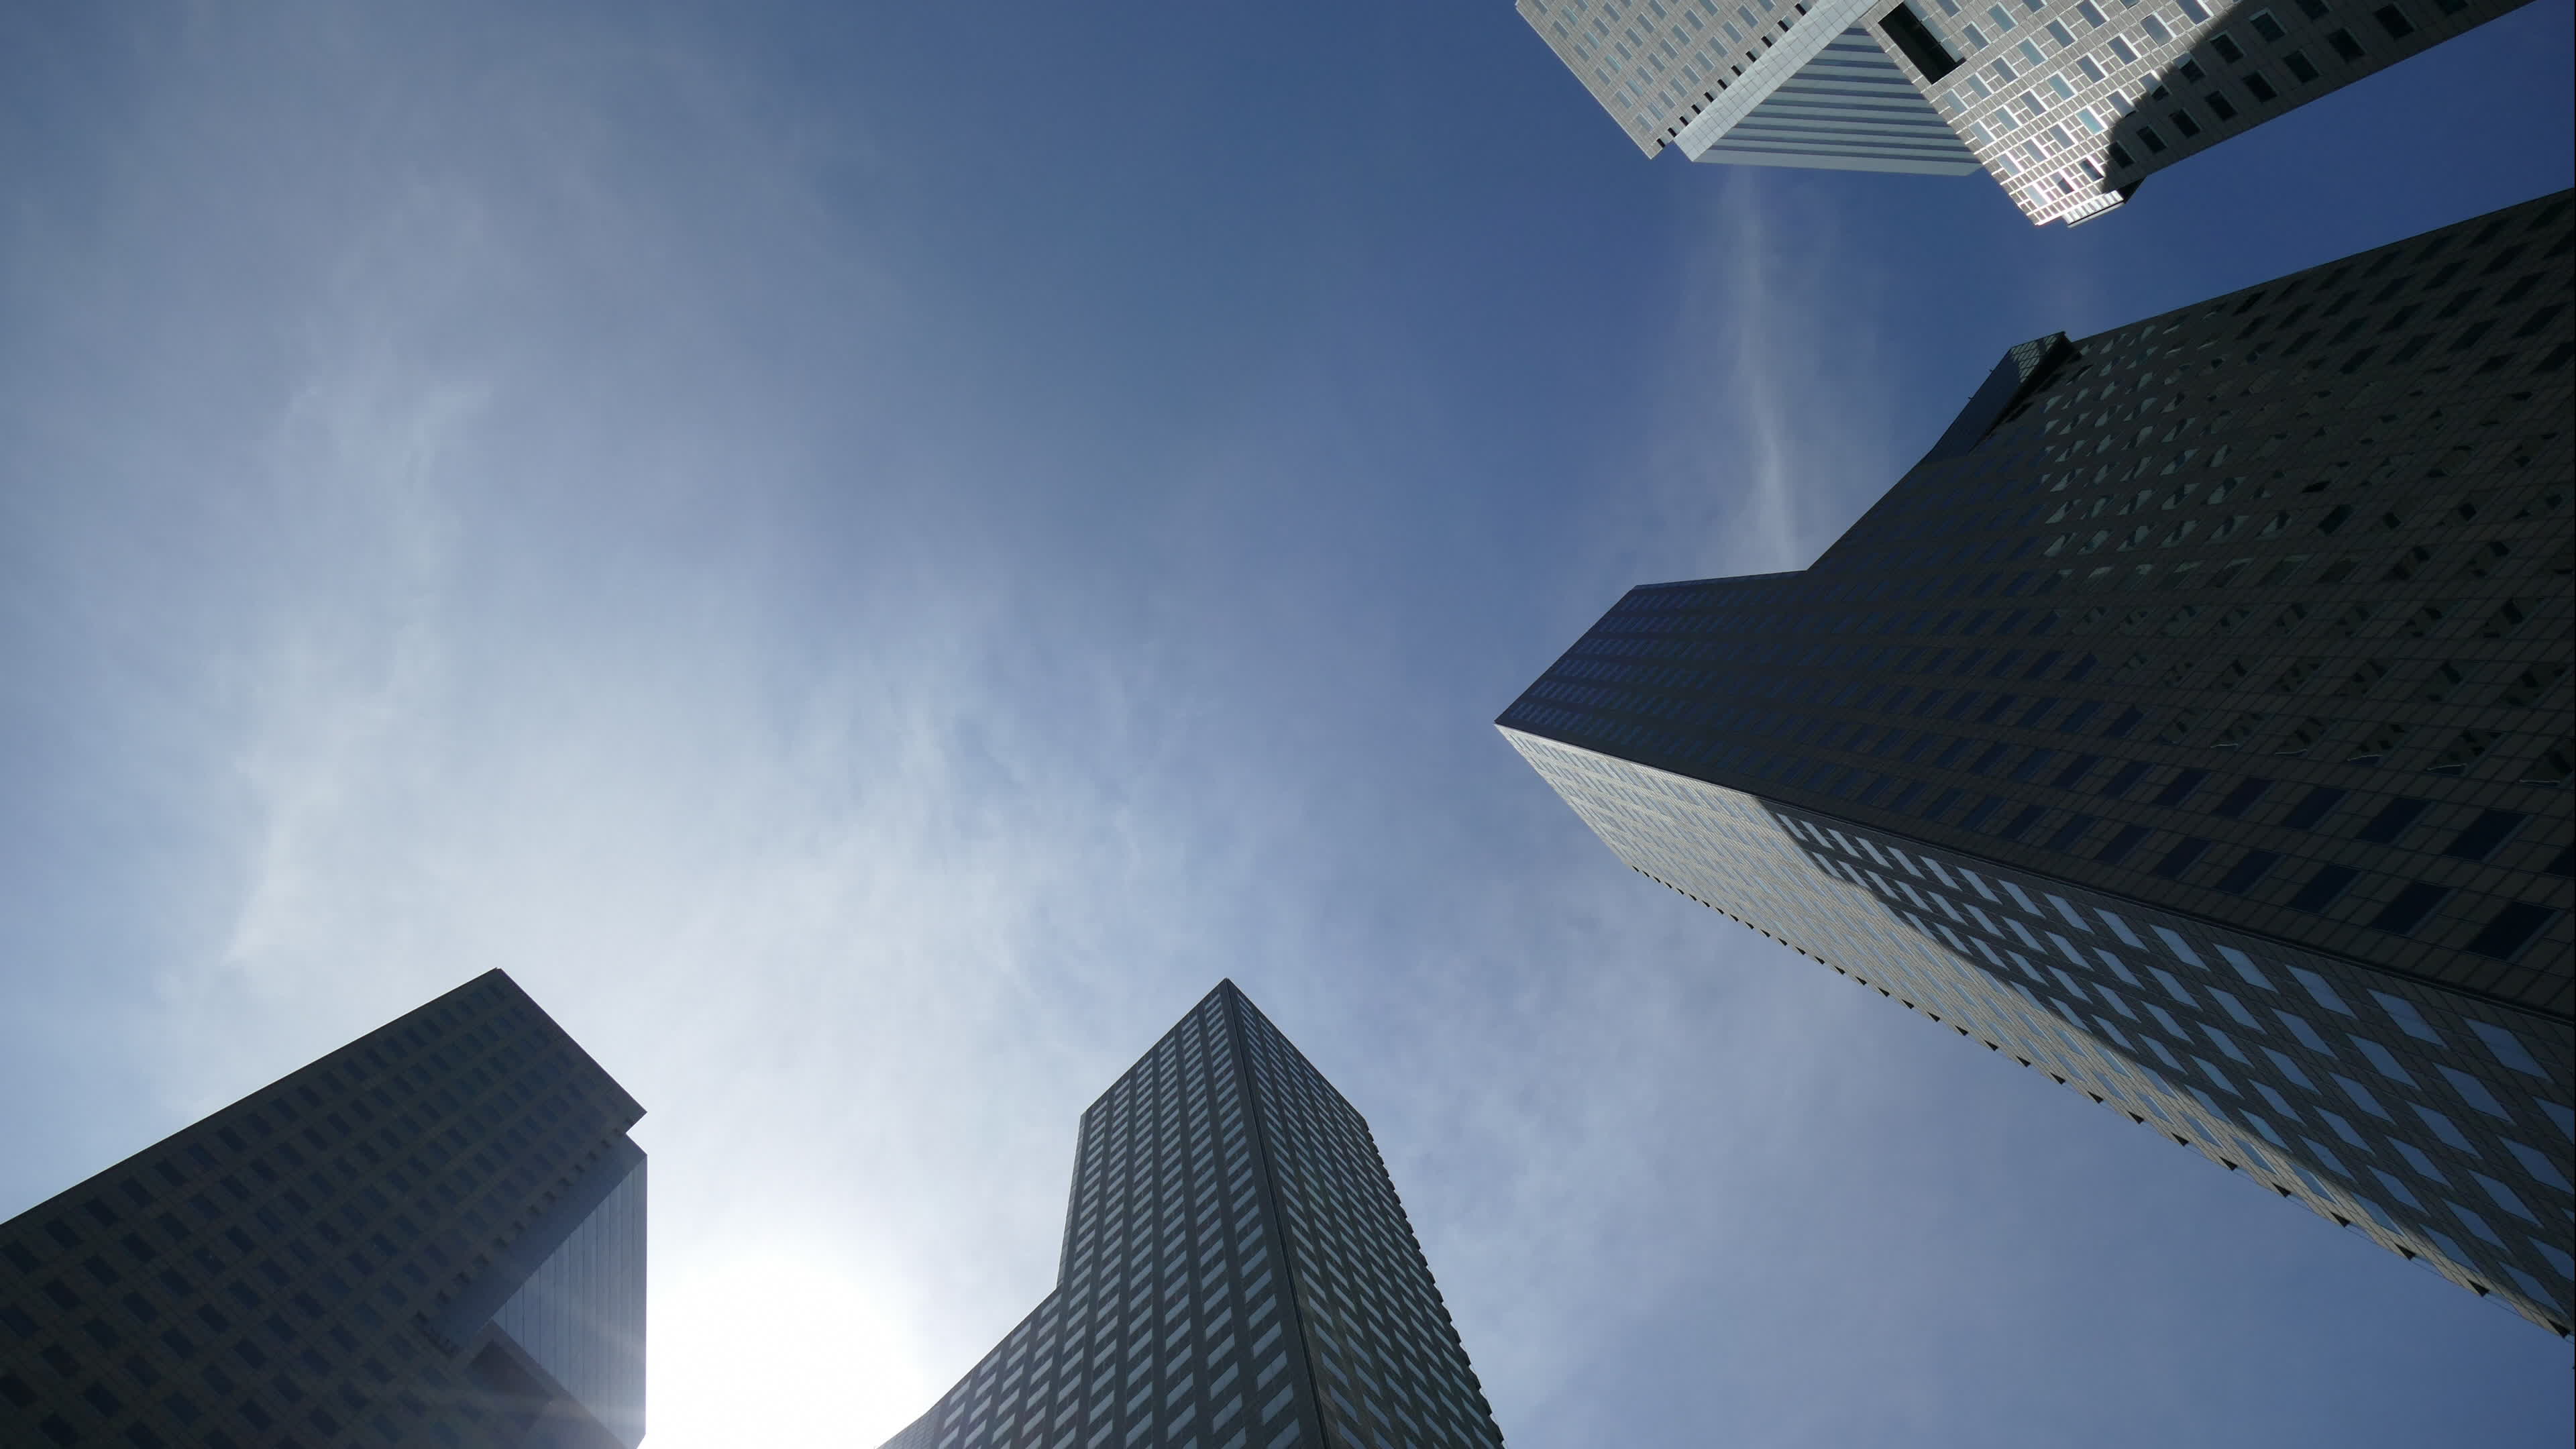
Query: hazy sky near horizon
(869, 555)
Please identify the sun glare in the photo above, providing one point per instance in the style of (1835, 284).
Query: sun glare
(774, 1351)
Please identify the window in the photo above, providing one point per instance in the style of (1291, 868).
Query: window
(2248, 871)
(2121, 49)
(2030, 52)
(2482, 835)
(2118, 927)
(2505, 620)
(2184, 123)
(2003, 22)
(2508, 1048)
(2227, 48)
(2120, 845)
(2091, 16)
(2185, 854)
(2376, 745)
(2390, 18)
(2091, 71)
(2260, 86)
(2226, 111)
(2266, 26)
(2192, 8)
(2315, 807)
(2463, 752)
(2155, 30)
(2324, 888)
(2530, 685)
(2344, 45)
(1915, 38)
(2409, 908)
(2127, 775)
(2073, 830)
(2327, 998)
(2299, 66)
(2242, 798)
(2180, 788)
(2408, 1019)
(2511, 929)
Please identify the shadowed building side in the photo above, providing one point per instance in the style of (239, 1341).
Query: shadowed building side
(1236, 1271)
(2192, 720)
(433, 1236)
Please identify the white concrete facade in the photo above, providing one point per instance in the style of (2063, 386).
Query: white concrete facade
(2068, 104)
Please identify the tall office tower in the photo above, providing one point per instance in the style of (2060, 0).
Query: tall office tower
(2068, 104)
(2193, 722)
(1760, 83)
(433, 1236)
(1236, 1274)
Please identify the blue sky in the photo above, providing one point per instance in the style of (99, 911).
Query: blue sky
(868, 558)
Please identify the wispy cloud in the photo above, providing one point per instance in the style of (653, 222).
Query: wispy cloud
(1770, 435)
(556, 512)
(801, 909)
(864, 874)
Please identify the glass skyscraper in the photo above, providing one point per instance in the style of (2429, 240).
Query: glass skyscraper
(2192, 722)
(1237, 1274)
(2068, 104)
(433, 1236)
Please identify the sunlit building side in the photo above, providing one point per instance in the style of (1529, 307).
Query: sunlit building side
(2068, 104)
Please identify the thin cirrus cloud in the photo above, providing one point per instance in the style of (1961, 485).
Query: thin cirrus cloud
(1752, 448)
(1777, 302)
(580, 494)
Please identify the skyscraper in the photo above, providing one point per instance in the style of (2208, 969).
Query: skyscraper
(2193, 722)
(433, 1236)
(1236, 1272)
(2068, 104)
(1762, 83)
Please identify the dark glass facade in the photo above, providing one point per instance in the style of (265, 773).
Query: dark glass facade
(2240, 634)
(433, 1236)
(1237, 1274)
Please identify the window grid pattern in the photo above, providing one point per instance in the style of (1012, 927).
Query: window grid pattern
(1388, 1363)
(1187, 1312)
(2434, 1127)
(263, 1278)
(1847, 108)
(2068, 104)
(2071, 103)
(1655, 65)
(2240, 611)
